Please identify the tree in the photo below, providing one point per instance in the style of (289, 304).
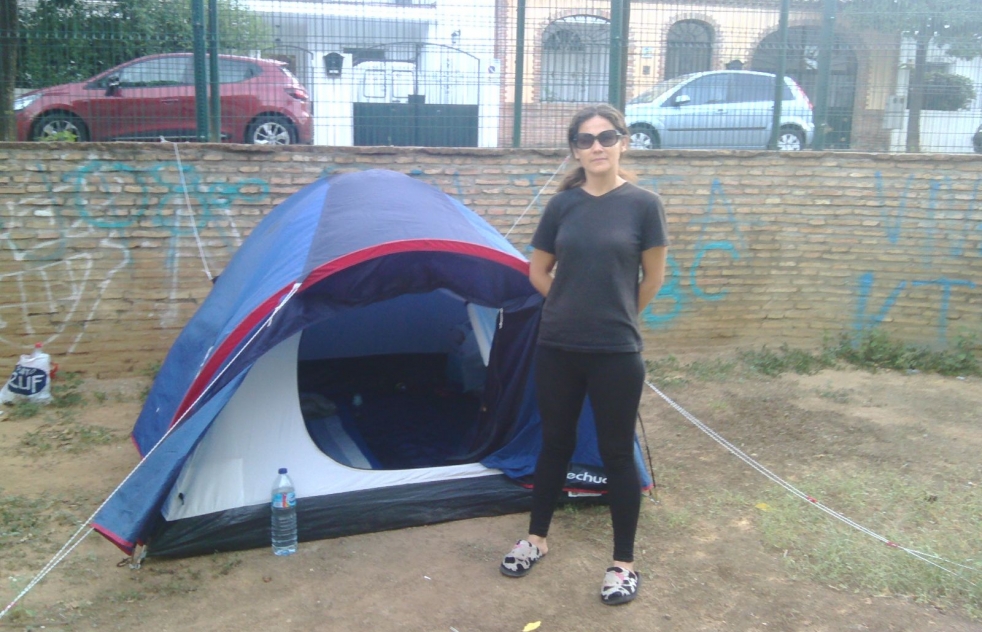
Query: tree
(954, 26)
(8, 68)
(947, 92)
(70, 40)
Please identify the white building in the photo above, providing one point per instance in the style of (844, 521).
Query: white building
(942, 132)
(401, 72)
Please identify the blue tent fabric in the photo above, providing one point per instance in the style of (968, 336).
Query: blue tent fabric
(349, 242)
(265, 263)
(134, 509)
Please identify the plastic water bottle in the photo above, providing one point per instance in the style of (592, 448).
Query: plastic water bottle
(284, 526)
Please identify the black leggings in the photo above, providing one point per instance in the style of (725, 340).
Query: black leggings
(614, 382)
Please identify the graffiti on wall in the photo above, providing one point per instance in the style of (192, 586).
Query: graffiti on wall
(940, 230)
(105, 203)
(109, 203)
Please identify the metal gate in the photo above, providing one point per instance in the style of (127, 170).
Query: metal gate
(421, 95)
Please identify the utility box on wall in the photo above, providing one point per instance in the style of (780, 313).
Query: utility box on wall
(893, 112)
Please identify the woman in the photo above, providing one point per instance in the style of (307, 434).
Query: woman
(595, 234)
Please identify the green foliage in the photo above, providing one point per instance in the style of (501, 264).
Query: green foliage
(71, 40)
(150, 370)
(875, 349)
(19, 516)
(25, 409)
(65, 436)
(772, 363)
(947, 92)
(669, 370)
(872, 349)
(66, 391)
(839, 396)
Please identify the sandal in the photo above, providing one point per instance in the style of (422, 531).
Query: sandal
(620, 586)
(521, 558)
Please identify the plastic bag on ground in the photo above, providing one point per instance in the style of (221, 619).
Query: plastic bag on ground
(30, 381)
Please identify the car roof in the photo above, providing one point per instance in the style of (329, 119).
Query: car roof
(693, 75)
(257, 60)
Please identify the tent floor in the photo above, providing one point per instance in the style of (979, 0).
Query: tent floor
(410, 418)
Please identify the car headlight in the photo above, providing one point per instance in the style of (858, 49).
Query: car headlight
(24, 101)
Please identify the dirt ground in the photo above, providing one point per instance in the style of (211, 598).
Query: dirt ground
(712, 572)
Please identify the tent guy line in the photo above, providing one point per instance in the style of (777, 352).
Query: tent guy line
(924, 557)
(79, 536)
(187, 202)
(537, 194)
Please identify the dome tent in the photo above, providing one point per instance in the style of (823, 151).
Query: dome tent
(375, 337)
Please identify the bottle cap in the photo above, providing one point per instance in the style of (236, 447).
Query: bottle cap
(282, 470)
(37, 345)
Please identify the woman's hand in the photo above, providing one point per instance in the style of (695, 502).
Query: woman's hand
(652, 274)
(540, 270)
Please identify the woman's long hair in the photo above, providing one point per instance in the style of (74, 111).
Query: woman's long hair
(577, 176)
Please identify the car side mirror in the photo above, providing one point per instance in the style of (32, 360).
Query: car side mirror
(112, 86)
(682, 99)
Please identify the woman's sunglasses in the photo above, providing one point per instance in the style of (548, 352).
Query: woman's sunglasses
(607, 139)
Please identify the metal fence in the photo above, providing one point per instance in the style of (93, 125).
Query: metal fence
(866, 75)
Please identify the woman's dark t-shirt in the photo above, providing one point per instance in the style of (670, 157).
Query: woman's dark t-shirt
(597, 241)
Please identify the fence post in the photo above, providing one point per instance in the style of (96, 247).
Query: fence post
(215, 97)
(779, 75)
(8, 68)
(824, 70)
(200, 81)
(516, 127)
(615, 84)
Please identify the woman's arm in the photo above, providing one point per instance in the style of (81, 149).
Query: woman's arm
(652, 274)
(540, 270)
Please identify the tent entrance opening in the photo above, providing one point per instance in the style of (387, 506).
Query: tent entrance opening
(388, 412)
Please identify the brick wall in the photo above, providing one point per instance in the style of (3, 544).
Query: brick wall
(99, 260)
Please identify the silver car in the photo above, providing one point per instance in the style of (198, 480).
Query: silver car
(729, 109)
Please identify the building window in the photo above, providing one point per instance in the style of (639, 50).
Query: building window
(689, 48)
(575, 59)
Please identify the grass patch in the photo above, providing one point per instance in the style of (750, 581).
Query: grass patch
(772, 363)
(19, 615)
(127, 596)
(837, 395)
(223, 564)
(872, 350)
(669, 370)
(24, 409)
(21, 516)
(875, 349)
(150, 372)
(66, 391)
(66, 435)
(935, 518)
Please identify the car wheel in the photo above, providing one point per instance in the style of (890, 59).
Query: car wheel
(790, 139)
(643, 137)
(60, 126)
(271, 130)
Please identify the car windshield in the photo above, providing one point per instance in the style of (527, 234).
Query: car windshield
(659, 88)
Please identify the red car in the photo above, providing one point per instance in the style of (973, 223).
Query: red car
(153, 97)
